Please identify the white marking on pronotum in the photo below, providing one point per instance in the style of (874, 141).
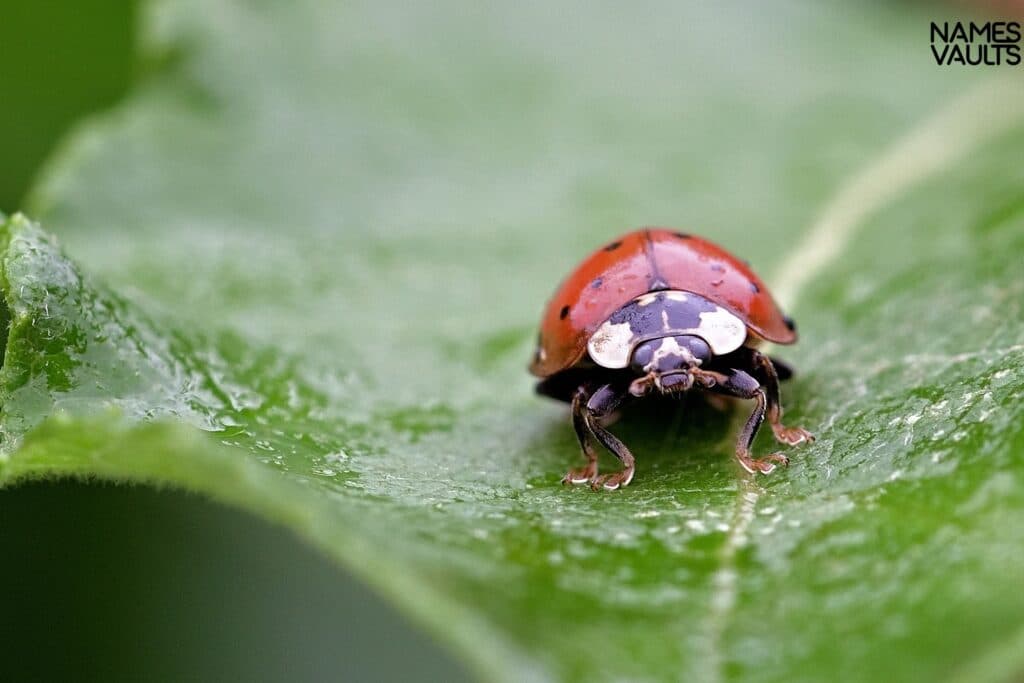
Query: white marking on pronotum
(611, 345)
(670, 294)
(647, 299)
(723, 331)
(968, 122)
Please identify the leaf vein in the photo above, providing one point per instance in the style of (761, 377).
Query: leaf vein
(950, 134)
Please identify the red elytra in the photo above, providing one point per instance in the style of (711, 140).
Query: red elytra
(647, 260)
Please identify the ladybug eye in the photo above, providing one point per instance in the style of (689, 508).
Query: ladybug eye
(642, 356)
(697, 347)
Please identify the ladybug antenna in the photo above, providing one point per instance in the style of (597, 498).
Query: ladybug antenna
(642, 385)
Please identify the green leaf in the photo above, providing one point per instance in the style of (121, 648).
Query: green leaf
(316, 240)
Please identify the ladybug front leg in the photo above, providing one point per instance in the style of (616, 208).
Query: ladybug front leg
(587, 474)
(741, 385)
(764, 369)
(587, 412)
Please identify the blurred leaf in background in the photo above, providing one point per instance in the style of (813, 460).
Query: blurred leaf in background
(105, 583)
(58, 62)
(307, 256)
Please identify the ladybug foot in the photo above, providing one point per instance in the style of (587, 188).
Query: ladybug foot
(765, 465)
(610, 482)
(581, 475)
(791, 435)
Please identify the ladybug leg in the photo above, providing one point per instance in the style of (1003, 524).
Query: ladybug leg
(742, 385)
(611, 482)
(783, 370)
(604, 401)
(765, 370)
(587, 474)
(588, 410)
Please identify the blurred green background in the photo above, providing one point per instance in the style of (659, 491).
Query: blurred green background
(109, 583)
(58, 62)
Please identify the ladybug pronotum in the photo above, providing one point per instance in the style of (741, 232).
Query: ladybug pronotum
(658, 312)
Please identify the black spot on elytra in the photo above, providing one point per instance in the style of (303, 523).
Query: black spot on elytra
(613, 246)
(564, 313)
(790, 323)
(683, 235)
(596, 284)
(754, 288)
(718, 267)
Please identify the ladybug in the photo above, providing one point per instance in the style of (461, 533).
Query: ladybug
(658, 312)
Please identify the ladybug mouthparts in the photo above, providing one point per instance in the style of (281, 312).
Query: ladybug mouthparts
(674, 382)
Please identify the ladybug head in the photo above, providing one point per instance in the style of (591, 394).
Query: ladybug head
(665, 363)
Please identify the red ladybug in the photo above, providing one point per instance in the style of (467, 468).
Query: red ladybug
(661, 312)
